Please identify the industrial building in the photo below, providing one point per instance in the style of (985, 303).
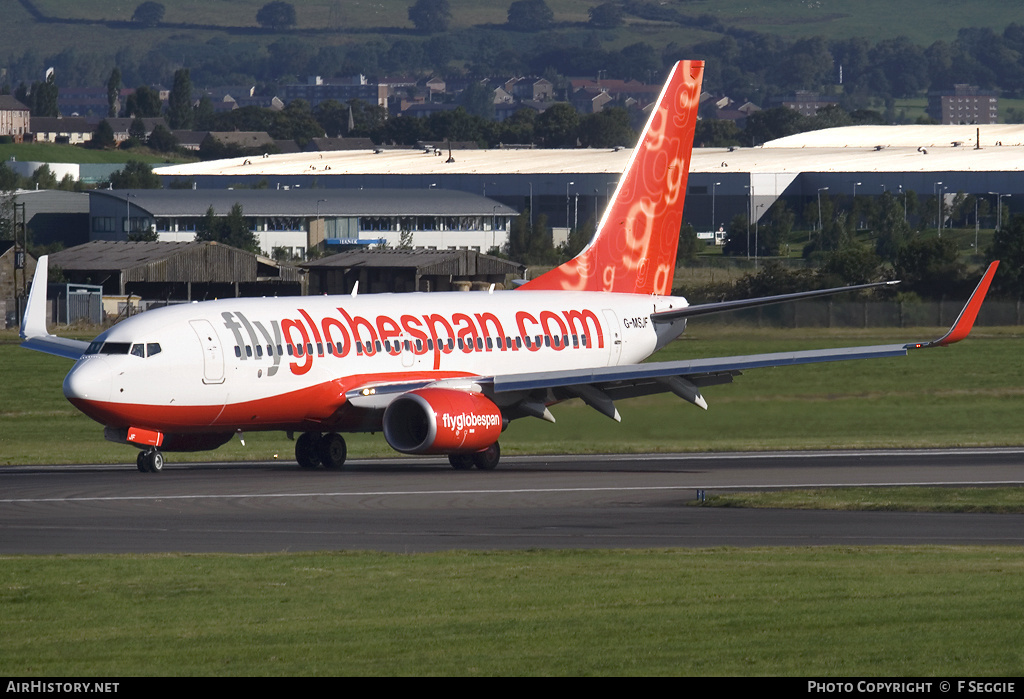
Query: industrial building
(382, 271)
(571, 185)
(295, 219)
(166, 271)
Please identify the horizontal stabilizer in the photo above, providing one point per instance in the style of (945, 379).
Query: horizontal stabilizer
(725, 306)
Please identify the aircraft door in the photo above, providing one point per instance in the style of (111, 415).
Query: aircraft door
(614, 336)
(213, 356)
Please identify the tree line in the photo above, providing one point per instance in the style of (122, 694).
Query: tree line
(747, 65)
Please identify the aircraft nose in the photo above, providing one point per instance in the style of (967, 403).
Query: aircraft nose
(89, 380)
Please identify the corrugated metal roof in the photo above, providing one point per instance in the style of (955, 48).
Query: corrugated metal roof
(159, 261)
(307, 202)
(847, 149)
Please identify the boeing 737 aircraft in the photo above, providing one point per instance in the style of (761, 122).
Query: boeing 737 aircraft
(438, 373)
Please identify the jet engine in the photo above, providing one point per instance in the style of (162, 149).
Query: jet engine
(441, 421)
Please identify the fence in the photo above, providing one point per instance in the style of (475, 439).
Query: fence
(870, 314)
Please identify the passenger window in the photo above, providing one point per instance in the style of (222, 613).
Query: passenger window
(238, 351)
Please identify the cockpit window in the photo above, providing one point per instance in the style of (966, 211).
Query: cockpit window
(115, 348)
(137, 349)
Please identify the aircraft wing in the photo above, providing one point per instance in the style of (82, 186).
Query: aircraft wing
(600, 386)
(33, 326)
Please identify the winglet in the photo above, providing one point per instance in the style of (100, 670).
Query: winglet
(33, 324)
(965, 321)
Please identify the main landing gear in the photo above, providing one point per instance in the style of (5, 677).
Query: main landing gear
(313, 450)
(486, 460)
(150, 460)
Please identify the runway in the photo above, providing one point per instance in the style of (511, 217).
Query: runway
(417, 505)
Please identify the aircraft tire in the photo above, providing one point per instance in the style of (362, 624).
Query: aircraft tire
(332, 451)
(461, 462)
(153, 460)
(307, 450)
(140, 462)
(487, 460)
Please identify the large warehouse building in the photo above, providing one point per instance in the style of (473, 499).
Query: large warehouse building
(569, 186)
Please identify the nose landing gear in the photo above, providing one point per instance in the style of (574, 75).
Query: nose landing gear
(150, 460)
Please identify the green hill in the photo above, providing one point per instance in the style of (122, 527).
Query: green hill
(94, 28)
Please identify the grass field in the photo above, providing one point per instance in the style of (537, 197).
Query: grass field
(332, 22)
(1009, 500)
(58, 153)
(828, 611)
(881, 612)
(971, 394)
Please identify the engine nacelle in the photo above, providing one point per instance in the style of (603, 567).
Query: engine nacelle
(441, 421)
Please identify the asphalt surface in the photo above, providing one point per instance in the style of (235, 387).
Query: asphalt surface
(414, 505)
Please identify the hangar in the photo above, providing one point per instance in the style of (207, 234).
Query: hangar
(381, 271)
(193, 271)
(296, 219)
(571, 185)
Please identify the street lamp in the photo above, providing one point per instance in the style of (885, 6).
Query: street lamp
(938, 193)
(128, 213)
(999, 205)
(750, 203)
(567, 200)
(820, 190)
(713, 187)
(531, 206)
(757, 221)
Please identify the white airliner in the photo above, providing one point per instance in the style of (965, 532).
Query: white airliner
(438, 373)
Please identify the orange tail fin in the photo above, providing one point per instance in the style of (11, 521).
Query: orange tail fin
(634, 248)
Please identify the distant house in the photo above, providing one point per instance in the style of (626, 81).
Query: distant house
(73, 130)
(16, 269)
(326, 144)
(14, 118)
(122, 126)
(590, 100)
(620, 90)
(84, 101)
(964, 104)
(807, 103)
(243, 139)
(317, 90)
(530, 88)
(189, 140)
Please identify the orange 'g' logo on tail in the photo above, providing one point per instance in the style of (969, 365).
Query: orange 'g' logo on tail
(634, 248)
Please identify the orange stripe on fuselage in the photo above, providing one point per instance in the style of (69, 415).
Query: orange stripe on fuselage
(319, 407)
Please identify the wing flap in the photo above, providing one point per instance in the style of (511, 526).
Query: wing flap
(634, 373)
